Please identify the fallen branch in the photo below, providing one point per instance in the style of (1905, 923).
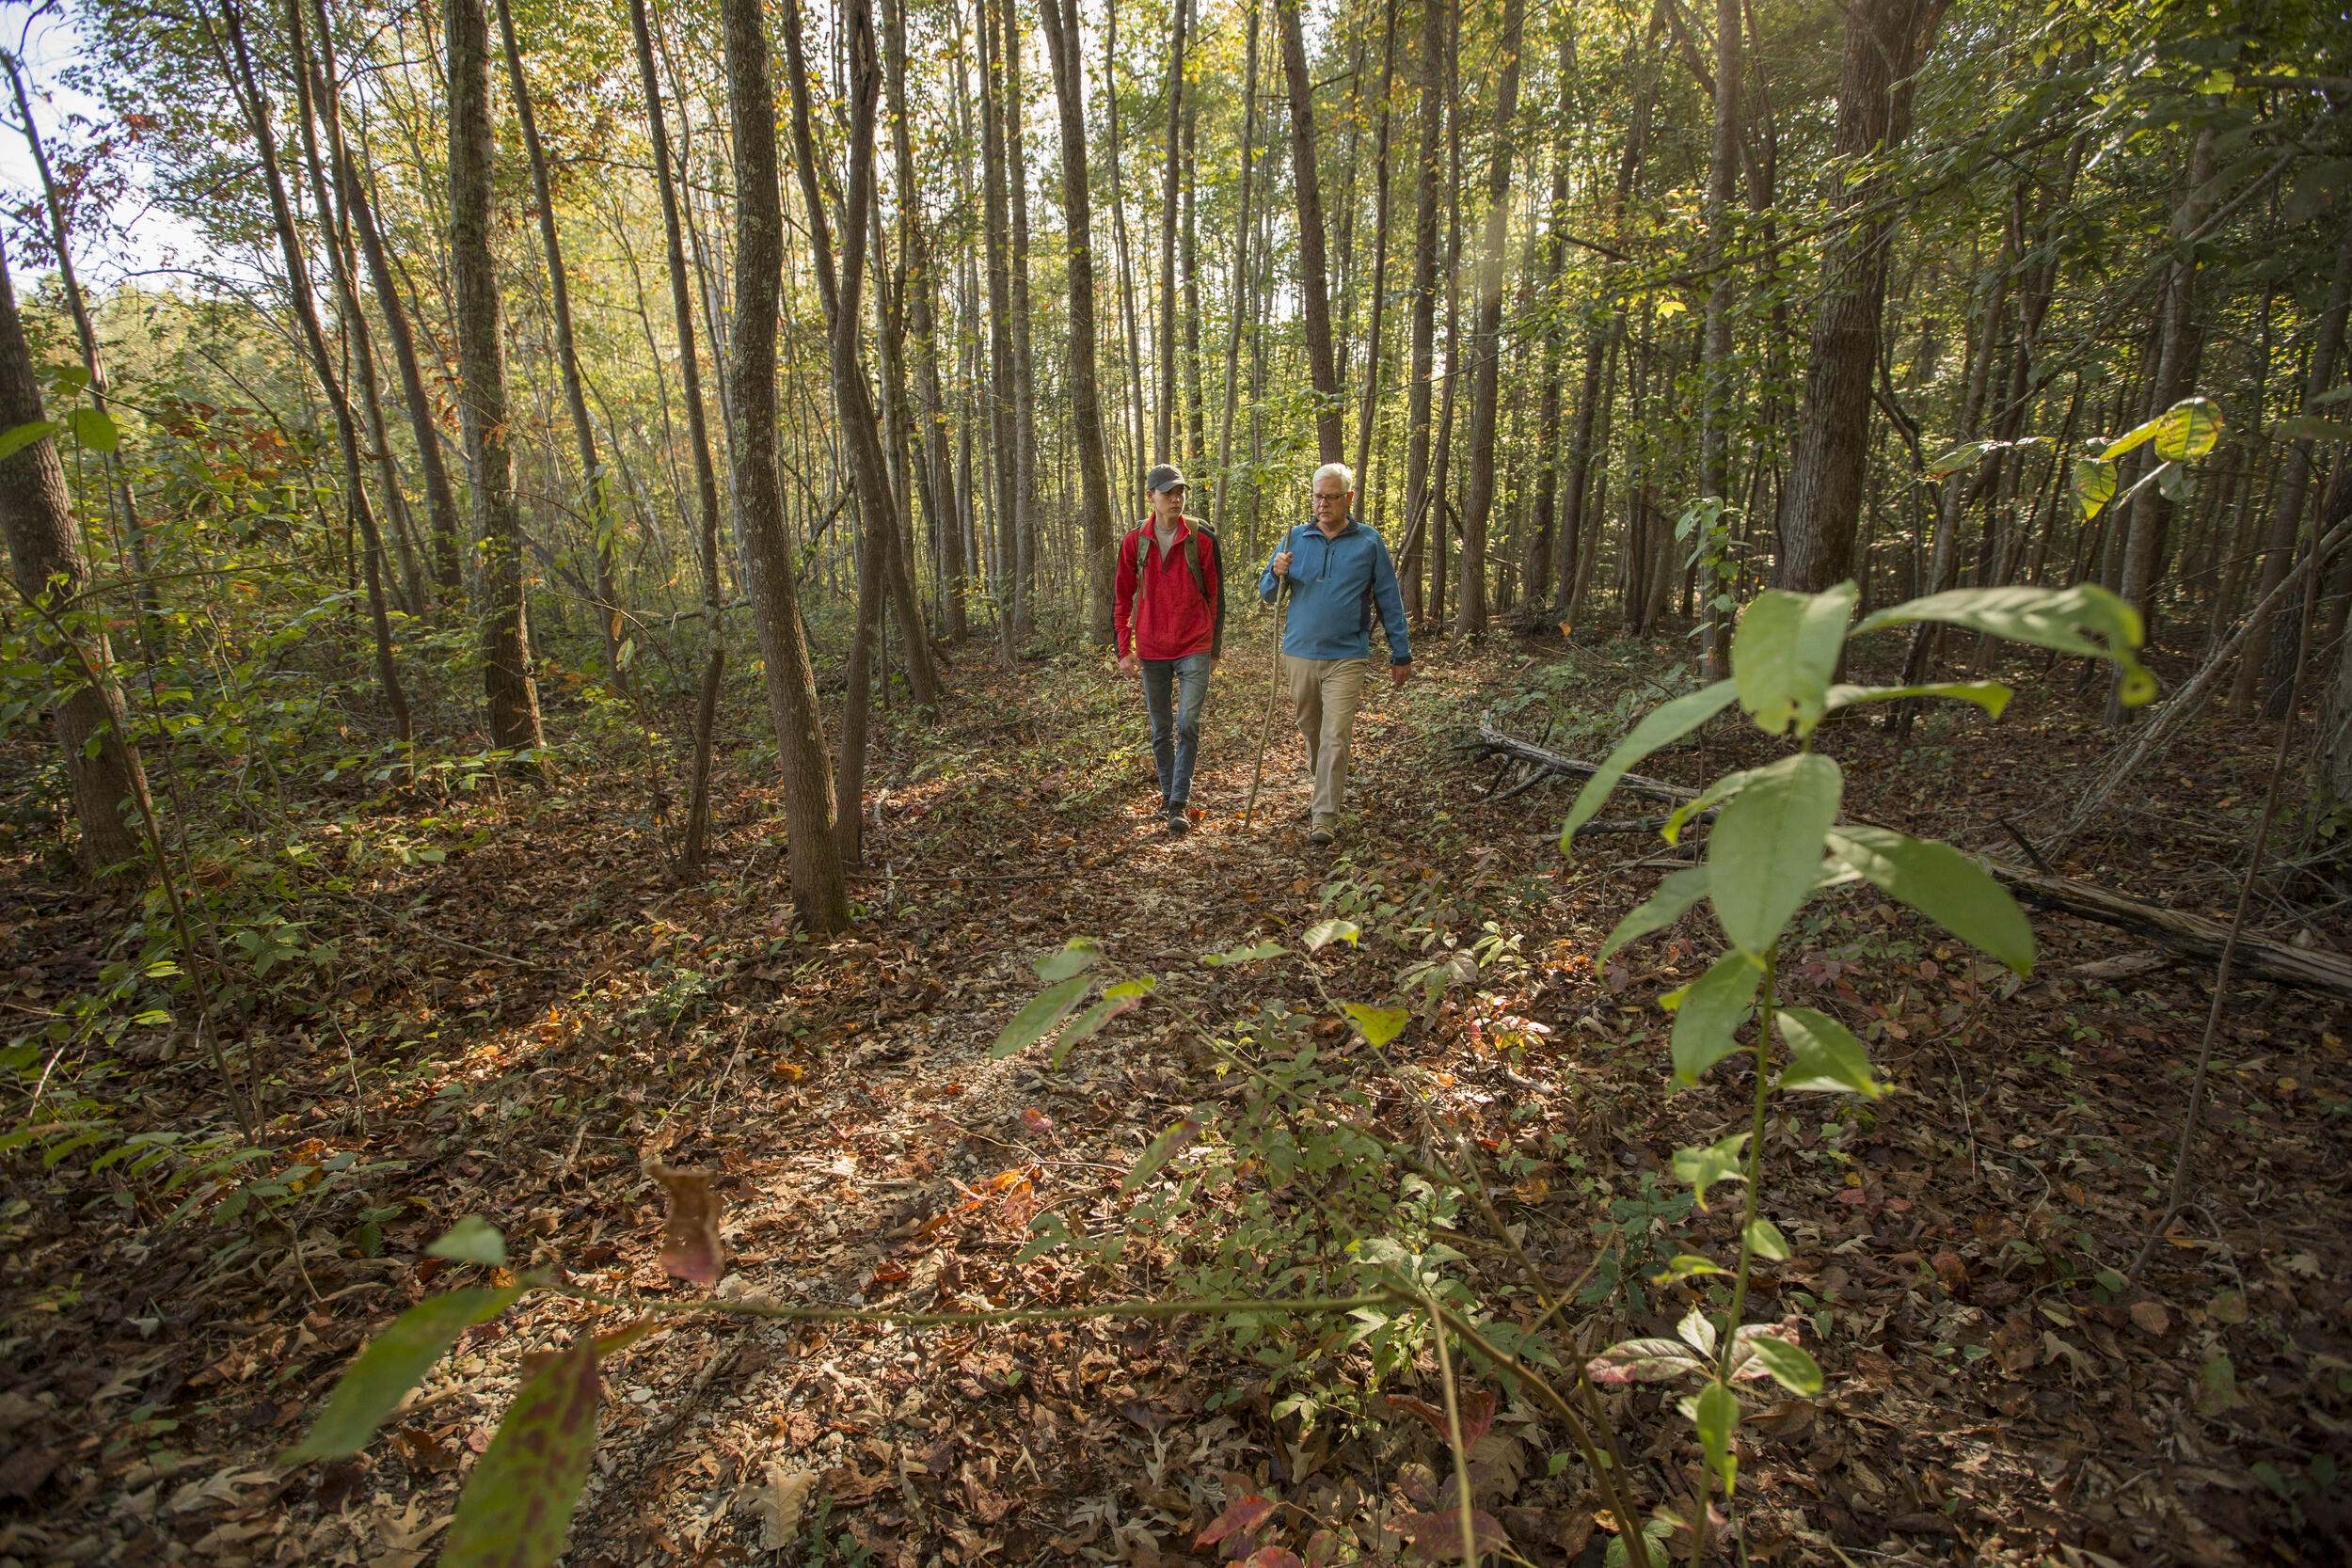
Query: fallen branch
(2306, 968)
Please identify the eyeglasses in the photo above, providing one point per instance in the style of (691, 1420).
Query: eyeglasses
(1330, 496)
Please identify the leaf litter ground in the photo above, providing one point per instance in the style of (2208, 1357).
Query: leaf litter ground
(529, 1026)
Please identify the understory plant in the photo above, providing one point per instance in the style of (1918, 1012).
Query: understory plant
(1337, 1248)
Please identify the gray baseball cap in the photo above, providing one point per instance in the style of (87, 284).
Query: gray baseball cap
(1165, 477)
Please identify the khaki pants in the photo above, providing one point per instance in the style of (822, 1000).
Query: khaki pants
(1325, 694)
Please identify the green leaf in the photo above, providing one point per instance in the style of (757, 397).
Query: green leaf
(1765, 853)
(1044, 1010)
(516, 1508)
(1115, 1001)
(1941, 883)
(2060, 618)
(1648, 1360)
(1790, 1367)
(1169, 1143)
(1378, 1025)
(1718, 1162)
(1957, 459)
(2094, 484)
(1666, 723)
(471, 1239)
(93, 429)
(1325, 932)
(393, 1363)
(1992, 696)
(17, 438)
(1662, 909)
(1686, 1265)
(1717, 1413)
(1078, 955)
(2187, 429)
(1709, 1012)
(1823, 1054)
(1245, 955)
(1766, 1242)
(1705, 799)
(1784, 652)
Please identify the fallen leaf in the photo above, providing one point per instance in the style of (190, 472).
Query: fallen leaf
(2151, 1318)
(1242, 1514)
(691, 1248)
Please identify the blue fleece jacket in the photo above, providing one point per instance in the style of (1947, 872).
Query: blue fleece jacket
(1335, 582)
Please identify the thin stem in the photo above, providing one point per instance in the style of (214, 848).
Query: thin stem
(1728, 1338)
(785, 1311)
(1454, 1435)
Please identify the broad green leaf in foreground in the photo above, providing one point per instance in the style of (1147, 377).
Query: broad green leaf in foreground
(1765, 853)
(1784, 652)
(1718, 1162)
(1668, 721)
(1044, 1010)
(1118, 1000)
(2093, 486)
(1169, 1143)
(1992, 696)
(516, 1508)
(1941, 883)
(1823, 1054)
(1788, 1365)
(471, 1239)
(1077, 956)
(1708, 1012)
(1717, 1413)
(1765, 1240)
(1662, 909)
(393, 1363)
(1378, 1025)
(1323, 933)
(2065, 619)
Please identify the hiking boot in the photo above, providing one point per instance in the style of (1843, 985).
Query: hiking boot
(1326, 830)
(1178, 821)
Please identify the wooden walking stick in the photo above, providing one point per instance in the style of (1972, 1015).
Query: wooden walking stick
(1273, 694)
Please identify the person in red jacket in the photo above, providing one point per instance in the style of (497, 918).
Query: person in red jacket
(1169, 610)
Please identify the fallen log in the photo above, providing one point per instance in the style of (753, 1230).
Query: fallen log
(2305, 968)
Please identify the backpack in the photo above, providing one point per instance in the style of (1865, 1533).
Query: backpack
(1149, 541)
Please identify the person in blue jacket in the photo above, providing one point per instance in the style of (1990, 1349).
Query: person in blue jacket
(1337, 571)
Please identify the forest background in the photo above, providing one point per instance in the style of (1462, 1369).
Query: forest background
(450, 451)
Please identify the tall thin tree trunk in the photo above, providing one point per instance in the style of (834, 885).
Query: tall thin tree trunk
(1379, 248)
(1237, 303)
(1025, 448)
(1486, 340)
(1421, 519)
(1715, 408)
(1315, 299)
(812, 849)
(1166, 429)
(1062, 40)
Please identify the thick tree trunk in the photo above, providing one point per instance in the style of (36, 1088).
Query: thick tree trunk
(1085, 397)
(813, 851)
(692, 853)
(45, 554)
(1487, 340)
(1886, 40)
(507, 676)
(1313, 291)
(1543, 509)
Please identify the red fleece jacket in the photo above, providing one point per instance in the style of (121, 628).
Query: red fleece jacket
(1178, 618)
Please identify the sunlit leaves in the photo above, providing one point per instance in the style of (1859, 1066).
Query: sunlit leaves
(1115, 1001)
(1045, 1010)
(393, 1363)
(1325, 932)
(1992, 696)
(1823, 1054)
(17, 438)
(2092, 483)
(1378, 1025)
(1784, 652)
(2086, 620)
(1668, 721)
(1765, 1240)
(2187, 430)
(1249, 955)
(517, 1504)
(1765, 853)
(1170, 1143)
(1788, 1364)
(1077, 956)
(93, 429)
(1941, 883)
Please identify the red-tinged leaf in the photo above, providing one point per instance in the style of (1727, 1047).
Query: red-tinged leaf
(1433, 1418)
(517, 1505)
(691, 1247)
(1242, 1514)
(1477, 1409)
(1272, 1557)
(1437, 1537)
(1036, 1123)
(1642, 1361)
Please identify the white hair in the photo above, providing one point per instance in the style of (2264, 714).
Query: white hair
(1340, 471)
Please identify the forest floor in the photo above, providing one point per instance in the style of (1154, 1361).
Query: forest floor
(525, 1024)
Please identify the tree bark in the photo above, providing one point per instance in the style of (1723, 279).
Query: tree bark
(1487, 340)
(1025, 448)
(813, 851)
(1312, 288)
(693, 851)
(1380, 248)
(1715, 407)
(508, 679)
(1179, 19)
(1085, 398)
(1237, 301)
(1419, 514)
(45, 554)
(1886, 40)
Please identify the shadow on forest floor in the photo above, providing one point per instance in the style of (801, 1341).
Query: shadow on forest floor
(521, 1027)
